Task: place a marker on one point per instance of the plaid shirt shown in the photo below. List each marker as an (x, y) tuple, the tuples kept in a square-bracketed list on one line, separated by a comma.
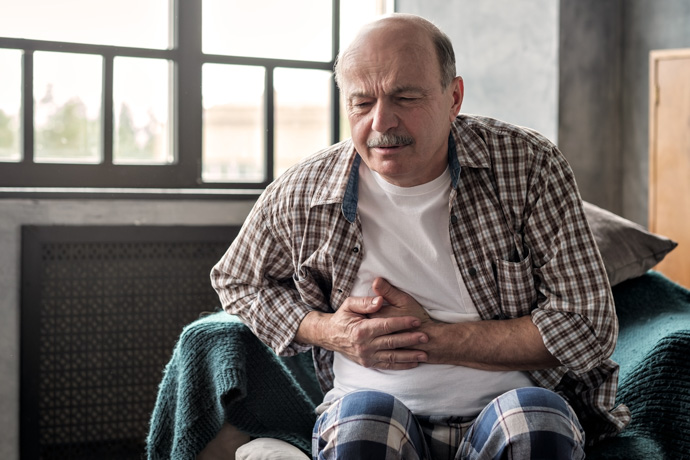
[(518, 233)]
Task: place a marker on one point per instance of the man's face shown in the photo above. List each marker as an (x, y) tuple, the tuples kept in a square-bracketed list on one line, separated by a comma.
[(399, 114)]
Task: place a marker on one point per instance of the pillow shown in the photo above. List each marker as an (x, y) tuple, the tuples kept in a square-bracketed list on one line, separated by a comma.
[(269, 449), (628, 249)]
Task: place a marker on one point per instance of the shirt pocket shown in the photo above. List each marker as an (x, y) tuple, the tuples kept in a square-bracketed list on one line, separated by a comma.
[(516, 291)]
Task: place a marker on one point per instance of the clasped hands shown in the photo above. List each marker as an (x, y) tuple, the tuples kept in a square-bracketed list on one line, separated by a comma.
[(387, 331), (393, 331)]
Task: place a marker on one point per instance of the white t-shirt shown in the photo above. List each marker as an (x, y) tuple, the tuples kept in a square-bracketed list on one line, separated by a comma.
[(407, 242)]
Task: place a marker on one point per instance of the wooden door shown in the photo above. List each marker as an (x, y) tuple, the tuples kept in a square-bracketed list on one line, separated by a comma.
[(669, 158)]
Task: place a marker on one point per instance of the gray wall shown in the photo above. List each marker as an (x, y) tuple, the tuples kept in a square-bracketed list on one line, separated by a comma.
[(576, 70), (589, 99), (507, 53), (647, 25)]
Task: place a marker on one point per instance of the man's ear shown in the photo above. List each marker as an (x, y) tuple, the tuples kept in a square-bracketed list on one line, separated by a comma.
[(457, 87)]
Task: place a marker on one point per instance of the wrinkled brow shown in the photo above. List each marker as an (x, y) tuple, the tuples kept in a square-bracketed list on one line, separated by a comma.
[(411, 89)]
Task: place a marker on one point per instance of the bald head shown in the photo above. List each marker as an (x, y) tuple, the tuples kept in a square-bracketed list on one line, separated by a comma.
[(407, 30)]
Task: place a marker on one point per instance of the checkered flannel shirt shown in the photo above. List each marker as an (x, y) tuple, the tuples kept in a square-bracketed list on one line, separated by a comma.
[(518, 233)]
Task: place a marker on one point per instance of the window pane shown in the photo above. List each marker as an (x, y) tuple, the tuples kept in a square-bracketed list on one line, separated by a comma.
[(10, 105), (355, 13), (295, 29), (138, 23), (233, 132), (303, 115), (141, 104), (67, 101)]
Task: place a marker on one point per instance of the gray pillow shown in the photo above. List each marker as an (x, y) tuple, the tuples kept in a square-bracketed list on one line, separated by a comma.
[(627, 248)]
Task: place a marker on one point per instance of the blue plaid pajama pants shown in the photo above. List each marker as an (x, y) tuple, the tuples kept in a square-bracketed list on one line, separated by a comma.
[(527, 423)]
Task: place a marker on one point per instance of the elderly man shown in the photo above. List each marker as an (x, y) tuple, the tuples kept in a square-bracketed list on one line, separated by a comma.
[(441, 268)]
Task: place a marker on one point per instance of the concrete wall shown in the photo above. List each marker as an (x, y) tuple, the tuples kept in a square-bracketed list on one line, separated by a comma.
[(576, 70), (589, 99), (507, 54), (15, 213), (647, 25)]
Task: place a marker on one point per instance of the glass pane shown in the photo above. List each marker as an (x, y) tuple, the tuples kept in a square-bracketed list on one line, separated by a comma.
[(233, 131), (67, 104), (10, 105), (355, 13), (303, 115), (138, 23), (296, 29), (141, 105)]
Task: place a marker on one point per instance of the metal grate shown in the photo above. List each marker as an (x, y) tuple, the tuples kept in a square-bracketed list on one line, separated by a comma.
[(101, 310)]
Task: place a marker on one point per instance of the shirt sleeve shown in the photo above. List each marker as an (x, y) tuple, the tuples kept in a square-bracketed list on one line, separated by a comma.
[(575, 313), (254, 280)]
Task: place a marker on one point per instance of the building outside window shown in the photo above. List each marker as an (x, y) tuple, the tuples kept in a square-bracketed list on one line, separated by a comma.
[(202, 96)]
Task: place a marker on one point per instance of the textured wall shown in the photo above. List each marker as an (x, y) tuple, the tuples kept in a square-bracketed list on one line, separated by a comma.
[(647, 25), (507, 53), (589, 98), (576, 70)]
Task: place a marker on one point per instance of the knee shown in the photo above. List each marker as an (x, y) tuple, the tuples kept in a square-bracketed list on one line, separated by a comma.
[(531, 422), (367, 402), (536, 409), (536, 397), (366, 425), (364, 407)]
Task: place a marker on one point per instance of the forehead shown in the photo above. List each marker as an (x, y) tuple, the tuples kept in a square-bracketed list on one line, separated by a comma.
[(390, 57)]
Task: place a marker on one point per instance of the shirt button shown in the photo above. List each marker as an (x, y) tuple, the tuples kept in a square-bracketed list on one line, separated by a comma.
[(472, 271), (355, 249), (453, 219)]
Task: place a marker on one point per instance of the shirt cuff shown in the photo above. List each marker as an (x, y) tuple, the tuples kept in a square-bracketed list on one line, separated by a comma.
[(570, 338)]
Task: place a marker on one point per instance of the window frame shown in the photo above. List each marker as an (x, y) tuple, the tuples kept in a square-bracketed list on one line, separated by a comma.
[(182, 178)]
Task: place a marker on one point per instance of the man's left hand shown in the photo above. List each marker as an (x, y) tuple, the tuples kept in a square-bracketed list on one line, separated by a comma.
[(398, 303)]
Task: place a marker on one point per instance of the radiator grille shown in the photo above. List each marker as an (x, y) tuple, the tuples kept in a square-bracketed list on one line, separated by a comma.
[(101, 310)]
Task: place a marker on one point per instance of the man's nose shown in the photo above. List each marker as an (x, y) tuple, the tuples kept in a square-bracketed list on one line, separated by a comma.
[(385, 117)]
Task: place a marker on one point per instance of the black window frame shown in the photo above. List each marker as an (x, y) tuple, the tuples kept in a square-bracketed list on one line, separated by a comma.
[(182, 178)]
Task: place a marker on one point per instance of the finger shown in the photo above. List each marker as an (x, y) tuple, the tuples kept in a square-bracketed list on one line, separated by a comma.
[(389, 311), (363, 305), (386, 359), (393, 342), (377, 327), (389, 292), (395, 366)]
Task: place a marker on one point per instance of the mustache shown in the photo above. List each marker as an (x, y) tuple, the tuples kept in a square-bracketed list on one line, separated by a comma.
[(389, 139)]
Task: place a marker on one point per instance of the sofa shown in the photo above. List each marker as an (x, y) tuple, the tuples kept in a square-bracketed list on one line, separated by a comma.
[(225, 395)]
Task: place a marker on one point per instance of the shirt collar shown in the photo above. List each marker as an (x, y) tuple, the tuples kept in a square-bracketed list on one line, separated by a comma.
[(465, 148)]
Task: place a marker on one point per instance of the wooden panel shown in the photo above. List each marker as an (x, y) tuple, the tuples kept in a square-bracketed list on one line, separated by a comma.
[(669, 161)]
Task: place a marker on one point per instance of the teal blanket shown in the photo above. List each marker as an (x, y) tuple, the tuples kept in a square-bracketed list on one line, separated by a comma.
[(654, 354), (217, 360)]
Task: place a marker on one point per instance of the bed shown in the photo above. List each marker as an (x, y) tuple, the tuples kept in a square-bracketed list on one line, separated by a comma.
[(223, 387)]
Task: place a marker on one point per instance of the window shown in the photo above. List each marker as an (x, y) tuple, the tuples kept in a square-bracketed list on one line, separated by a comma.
[(209, 96)]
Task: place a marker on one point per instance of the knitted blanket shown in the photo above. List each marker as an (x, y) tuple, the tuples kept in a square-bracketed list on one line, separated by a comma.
[(220, 371), (654, 354), (216, 361)]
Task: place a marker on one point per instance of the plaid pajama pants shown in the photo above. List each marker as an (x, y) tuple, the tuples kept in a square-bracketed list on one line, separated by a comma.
[(527, 423)]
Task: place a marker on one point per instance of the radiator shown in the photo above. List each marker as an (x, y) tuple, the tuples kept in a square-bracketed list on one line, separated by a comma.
[(101, 309)]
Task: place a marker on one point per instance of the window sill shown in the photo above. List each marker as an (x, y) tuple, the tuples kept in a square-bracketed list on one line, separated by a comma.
[(127, 193)]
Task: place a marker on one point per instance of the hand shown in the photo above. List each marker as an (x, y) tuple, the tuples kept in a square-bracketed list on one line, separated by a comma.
[(398, 303), (371, 342), (488, 345)]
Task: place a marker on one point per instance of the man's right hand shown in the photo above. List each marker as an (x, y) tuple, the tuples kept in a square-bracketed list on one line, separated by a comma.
[(371, 342)]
